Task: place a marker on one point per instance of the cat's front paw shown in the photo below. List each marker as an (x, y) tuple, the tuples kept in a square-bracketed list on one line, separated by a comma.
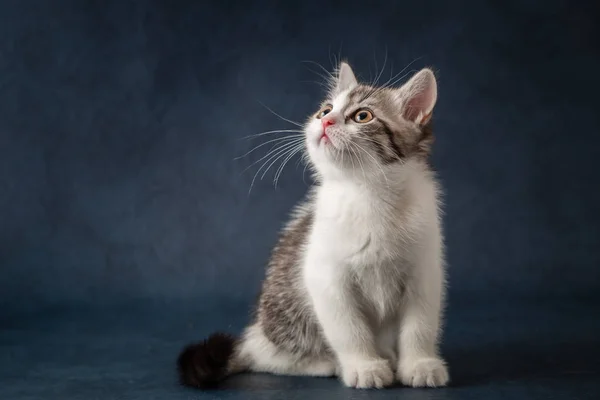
[(422, 372), (365, 374)]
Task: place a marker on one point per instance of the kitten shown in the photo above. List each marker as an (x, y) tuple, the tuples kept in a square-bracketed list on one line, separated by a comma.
[(355, 285)]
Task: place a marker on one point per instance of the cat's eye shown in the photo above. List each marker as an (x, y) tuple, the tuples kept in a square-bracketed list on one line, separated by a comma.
[(324, 111), (362, 116)]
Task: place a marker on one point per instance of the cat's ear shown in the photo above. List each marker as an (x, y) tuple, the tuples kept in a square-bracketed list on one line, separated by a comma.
[(345, 78), (417, 97)]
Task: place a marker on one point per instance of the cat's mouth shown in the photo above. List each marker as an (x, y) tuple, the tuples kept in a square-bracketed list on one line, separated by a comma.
[(325, 140)]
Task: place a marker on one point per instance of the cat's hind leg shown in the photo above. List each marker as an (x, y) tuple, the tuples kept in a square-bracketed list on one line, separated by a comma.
[(261, 355)]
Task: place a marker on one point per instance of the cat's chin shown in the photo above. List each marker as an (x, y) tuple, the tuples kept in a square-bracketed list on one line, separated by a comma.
[(329, 148), (325, 151), (324, 142), (327, 155)]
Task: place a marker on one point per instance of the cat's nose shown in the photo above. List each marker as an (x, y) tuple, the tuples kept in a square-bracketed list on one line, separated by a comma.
[(325, 122)]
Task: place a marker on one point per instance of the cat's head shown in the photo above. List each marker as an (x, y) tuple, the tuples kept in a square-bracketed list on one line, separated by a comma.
[(362, 130)]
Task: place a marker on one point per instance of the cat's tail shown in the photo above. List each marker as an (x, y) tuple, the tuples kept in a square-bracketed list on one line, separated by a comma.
[(205, 364)]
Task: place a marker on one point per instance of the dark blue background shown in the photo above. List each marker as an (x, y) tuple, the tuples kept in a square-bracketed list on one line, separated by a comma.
[(126, 223)]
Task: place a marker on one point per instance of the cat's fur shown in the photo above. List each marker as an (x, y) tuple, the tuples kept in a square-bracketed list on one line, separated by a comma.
[(355, 286)]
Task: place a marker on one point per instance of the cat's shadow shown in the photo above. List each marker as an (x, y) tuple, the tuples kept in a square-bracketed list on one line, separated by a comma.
[(524, 361), (515, 362)]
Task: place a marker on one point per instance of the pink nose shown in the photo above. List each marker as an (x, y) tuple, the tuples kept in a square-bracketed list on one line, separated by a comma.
[(325, 122)]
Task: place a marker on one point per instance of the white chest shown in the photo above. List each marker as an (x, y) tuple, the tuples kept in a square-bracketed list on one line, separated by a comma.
[(355, 227), (357, 236)]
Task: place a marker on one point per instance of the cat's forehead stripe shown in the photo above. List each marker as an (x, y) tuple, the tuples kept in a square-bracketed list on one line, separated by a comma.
[(341, 101), (350, 97)]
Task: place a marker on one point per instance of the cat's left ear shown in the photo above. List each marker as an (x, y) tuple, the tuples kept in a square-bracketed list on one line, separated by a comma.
[(345, 78), (417, 97)]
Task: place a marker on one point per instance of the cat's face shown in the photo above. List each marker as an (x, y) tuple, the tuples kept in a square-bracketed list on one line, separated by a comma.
[(361, 129)]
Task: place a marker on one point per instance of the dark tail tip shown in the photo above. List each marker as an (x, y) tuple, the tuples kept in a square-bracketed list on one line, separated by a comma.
[(204, 364)]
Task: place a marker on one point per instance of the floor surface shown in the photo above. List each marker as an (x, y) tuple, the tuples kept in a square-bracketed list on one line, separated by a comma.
[(535, 349)]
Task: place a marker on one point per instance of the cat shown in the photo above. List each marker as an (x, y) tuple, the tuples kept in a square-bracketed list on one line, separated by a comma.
[(355, 286)]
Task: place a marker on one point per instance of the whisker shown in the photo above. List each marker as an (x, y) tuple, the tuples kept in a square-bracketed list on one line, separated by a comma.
[(283, 154), (378, 73), (339, 58), (343, 154), (376, 163), (388, 187), (390, 84), (304, 159), (328, 83), (323, 85), (352, 160), (402, 77), (282, 166), (360, 163), (333, 62), (320, 66), (351, 156), (392, 81), (385, 146), (328, 78), (277, 153), (403, 69), (303, 172), (378, 76), (283, 118), (270, 132), (273, 149), (289, 137), (335, 156)]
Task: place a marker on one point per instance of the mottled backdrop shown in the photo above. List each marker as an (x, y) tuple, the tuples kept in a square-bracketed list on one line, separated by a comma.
[(121, 121), (127, 224)]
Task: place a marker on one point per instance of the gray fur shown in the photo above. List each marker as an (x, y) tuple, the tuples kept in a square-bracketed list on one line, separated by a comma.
[(283, 312)]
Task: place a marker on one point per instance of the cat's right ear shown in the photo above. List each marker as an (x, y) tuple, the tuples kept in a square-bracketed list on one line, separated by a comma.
[(345, 78)]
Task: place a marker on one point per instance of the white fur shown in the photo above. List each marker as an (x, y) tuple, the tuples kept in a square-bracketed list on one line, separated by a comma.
[(373, 266), (259, 354)]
